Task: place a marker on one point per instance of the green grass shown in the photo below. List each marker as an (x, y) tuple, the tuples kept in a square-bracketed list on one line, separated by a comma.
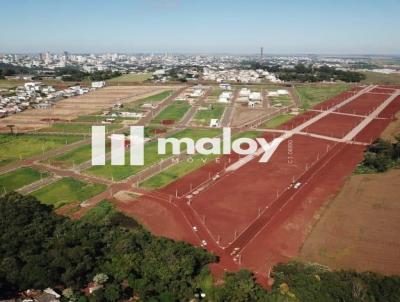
[(203, 117), (151, 156), (101, 213), (7, 84), (15, 147), (156, 98), (313, 94), (184, 167), (284, 100), (277, 121), (173, 112), (76, 128), (19, 178), (74, 157), (67, 190), (381, 78), (131, 77)]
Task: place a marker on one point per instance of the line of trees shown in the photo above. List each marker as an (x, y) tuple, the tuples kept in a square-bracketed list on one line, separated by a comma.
[(39, 249), (74, 74), (380, 156)]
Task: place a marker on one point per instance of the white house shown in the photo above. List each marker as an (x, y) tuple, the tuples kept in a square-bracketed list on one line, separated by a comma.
[(214, 123), (255, 96), (282, 92), (98, 84), (244, 92), (225, 97)]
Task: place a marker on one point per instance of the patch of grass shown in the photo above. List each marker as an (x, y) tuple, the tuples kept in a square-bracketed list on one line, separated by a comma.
[(381, 78), (19, 178), (76, 128), (313, 94), (151, 156), (173, 112), (8, 84), (15, 147), (283, 100), (131, 77), (277, 121), (101, 213), (67, 190), (156, 98), (203, 117)]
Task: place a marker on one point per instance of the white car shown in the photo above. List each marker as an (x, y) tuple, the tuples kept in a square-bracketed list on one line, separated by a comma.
[(195, 228), (203, 243), (297, 185)]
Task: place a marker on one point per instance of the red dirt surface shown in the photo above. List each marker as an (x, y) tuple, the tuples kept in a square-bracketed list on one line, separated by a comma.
[(282, 239), (390, 110), (334, 125), (159, 131), (334, 101), (382, 90), (253, 187), (298, 120), (167, 122), (364, 104), (372, 131)]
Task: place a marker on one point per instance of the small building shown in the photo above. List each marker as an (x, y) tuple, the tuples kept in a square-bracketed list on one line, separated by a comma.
[(214, 123), (98, 84)]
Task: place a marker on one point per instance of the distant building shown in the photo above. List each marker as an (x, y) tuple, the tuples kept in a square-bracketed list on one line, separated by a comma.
[(98, 84)]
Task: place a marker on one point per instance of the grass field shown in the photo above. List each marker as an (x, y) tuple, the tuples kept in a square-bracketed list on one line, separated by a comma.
[(277, 121), (283, 100), (76, 128), (185, 167), (74, 157), (131, 77), (156, 98), (67, 190), (15, 147), (203, 117), (151, 156), (19, 178), (311, 95), (381, 78), (100, 213), (173, 112), (7, 84)]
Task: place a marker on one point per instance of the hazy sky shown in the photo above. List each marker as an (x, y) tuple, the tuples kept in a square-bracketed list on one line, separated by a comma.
[(213, 26)]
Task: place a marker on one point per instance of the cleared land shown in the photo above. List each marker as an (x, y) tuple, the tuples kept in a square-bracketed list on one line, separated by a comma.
[(381, 78), (90, 103), (76, 128), (131, 77), (19, 178), (311, 95), (67, 190), (172, 113), (153, 99), (16, 147), (360, 228)]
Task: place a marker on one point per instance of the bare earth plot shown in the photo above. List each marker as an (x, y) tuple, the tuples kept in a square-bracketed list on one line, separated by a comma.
[(360, 229), (71, 108)]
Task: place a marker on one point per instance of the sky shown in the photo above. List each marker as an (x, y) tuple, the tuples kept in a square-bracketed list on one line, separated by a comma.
[(201, 26)]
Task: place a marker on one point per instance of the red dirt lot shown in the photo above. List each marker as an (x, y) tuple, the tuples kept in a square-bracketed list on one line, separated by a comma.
[(334, 125), (298, 120), (383, 90), (364, 104), (235, 200), (372, 131), (390, 110), (160, 217), (282, 239), (334, 101)]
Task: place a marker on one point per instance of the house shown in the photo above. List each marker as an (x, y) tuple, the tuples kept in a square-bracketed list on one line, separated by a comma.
[(197, 93), (98, 84), (225, 97), (282, 92), (225, 86), (244, 92), (214, 123), (255, 96)]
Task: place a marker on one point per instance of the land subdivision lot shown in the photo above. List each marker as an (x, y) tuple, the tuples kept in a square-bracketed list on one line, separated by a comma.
[(203, 116), (67, 190), (359, 229), (278, 120), (172, 114), (334, 125), (130, 78), (76, 128), (90, 103), (364, 104), (313, 94), (19, 178), (16, 147)]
